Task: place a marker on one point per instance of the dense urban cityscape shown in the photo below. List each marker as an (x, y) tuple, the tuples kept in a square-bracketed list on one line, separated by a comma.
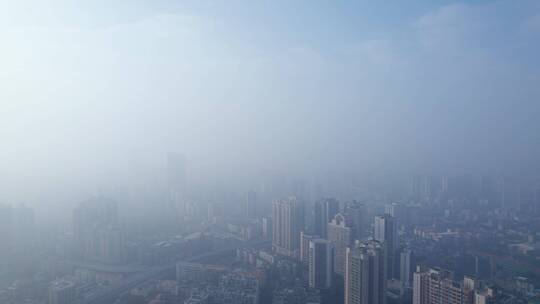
[(269, 152), (448, 239)]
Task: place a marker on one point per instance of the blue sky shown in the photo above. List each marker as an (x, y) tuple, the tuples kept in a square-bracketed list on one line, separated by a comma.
[(306, 86)]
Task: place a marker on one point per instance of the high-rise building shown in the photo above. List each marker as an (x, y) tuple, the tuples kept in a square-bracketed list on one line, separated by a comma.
[(340, 237), (365, 274), (62, 292), (445, 185), (425, 188), (397, 211), (325, 211), (251, 204), (356, 217), (386, 233), (420, 188), (406, 268), (96, 233), (288, 221), (267, 227), (435, 286), (304, 246), (110, 245), (468, 289), (320, 264), (484, 296)]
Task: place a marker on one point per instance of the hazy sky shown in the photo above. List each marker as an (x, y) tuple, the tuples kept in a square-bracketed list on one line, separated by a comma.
[(95, 91)]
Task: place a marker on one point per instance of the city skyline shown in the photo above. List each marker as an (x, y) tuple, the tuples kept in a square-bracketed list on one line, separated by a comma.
[(269, 152)]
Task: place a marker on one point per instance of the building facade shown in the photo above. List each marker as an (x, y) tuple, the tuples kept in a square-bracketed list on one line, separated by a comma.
[(386, 233), (321, 259), (365, 274), (304, 246), (435, 286), (340, 237), (288, 222), (325, 210)]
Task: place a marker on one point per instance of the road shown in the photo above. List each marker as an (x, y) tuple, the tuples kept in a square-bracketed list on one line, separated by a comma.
[(110, 294)]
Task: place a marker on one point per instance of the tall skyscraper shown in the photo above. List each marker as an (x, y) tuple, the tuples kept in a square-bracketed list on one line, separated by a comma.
[(177, 183), (435, 286), (356, 217), (468, 290), (267, 227), (288, 221), (304, 246), (406, 268), (365, 274), (325, 211), (386, 233), (397, 211), (420, 188), (320, 264), (340, 237)]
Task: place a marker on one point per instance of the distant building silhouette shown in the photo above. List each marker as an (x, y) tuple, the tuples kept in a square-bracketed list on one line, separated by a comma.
[(287, 222), (356, 217), (96, 231), (304, 246), (325, 210)]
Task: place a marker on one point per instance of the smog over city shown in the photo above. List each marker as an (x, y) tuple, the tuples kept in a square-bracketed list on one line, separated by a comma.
[(280, 152)]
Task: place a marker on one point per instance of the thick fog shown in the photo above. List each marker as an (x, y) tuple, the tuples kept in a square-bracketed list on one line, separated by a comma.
[(94, 95)]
